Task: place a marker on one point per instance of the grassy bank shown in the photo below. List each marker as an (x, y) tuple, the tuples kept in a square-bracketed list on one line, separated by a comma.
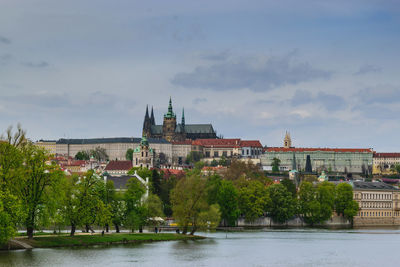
[(98, 239)]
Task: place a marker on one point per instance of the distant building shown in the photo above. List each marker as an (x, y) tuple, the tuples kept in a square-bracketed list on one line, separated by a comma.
[(118, 167), (384, 162), (343, 160), (379, 204), (49, 145), (228, 148), (173, 131), (143, 155)]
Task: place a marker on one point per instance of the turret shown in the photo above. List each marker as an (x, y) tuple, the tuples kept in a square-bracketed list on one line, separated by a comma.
[(152, 120), (183, 118), (146, 124)]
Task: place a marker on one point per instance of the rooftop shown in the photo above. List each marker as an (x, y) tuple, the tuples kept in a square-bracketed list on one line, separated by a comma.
[(386, 155), (115, 165), (135, 140), (309, 149), (373, 186)]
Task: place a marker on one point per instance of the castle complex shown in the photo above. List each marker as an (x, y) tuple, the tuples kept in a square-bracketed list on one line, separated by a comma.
[(170, 130)]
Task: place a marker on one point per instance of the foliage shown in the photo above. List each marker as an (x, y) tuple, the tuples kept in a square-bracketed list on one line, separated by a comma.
[(214, 163), (129, 154), (344, 199), (223, 161), (253, 199), (135, 216), (290, 186), (275, 164), (166, 187), (153, 206), (227, 198), (281, 205), (10, 215), (189, 200), (240, 170), (82, 155)]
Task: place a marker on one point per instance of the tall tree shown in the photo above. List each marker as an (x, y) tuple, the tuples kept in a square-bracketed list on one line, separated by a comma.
[(281, 205), (275, 164), (344, 203), (36, 176), (253, 199), (129, 154), (189, 200), (135, 212), (227, 199)]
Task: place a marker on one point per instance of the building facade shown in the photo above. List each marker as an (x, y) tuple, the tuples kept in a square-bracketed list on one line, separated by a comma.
[(343, 160), (170, 130), (379, 204), (384, 162), (143, 155)]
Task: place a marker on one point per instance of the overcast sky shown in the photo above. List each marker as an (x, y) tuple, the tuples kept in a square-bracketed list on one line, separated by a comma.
[(327, 71)]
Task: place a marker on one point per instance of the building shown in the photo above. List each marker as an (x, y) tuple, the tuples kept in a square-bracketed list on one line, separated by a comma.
[(379, 204), (118, 167), (170, 130), (384, 162), (49, 145), (342, 160), (228, 148), (143, 155)]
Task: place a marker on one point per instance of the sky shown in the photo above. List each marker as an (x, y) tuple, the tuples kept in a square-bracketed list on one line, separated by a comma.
[(326, 71)]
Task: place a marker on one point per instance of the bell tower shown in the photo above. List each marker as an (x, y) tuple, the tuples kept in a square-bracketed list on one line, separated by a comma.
[(169, 124), (287, 142)]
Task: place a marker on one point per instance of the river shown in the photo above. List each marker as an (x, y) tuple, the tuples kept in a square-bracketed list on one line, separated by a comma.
[(310, 247)]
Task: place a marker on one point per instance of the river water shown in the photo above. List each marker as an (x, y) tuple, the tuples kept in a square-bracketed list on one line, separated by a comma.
[(311, 247)]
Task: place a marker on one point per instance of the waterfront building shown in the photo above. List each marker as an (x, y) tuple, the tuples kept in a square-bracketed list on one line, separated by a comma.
[(384, 162), (379, 204), (170, 130)]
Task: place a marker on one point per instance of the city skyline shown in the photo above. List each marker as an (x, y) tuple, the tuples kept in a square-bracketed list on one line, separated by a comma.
[(325, 72)]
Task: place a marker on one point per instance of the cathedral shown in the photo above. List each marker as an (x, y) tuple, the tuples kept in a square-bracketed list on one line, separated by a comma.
[(173, 131)]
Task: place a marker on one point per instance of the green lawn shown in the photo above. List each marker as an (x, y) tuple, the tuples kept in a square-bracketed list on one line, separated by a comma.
[(98, 239)]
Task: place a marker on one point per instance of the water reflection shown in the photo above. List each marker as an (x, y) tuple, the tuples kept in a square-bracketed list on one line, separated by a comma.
[(299, 247)]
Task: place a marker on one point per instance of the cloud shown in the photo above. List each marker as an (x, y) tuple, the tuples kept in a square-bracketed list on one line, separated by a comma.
[(329, 101), (367, 69), (40, 64), (382, 94), (4, 40), (199, 100), (4, 59), (215, 56), (250, 72)]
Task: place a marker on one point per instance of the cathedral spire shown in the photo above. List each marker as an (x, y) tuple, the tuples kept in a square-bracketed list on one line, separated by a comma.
[(152, 120), (183, 117), (146, 117)]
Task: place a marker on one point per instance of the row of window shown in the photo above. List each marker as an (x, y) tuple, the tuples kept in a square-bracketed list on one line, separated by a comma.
[(375, 213), (376, 204), (376, 196)]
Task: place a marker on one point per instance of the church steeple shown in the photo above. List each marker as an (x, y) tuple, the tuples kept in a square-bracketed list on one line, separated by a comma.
[(146, 123), (183, 117), (287, 142), (170, 113), (146, 117), (152, 120)]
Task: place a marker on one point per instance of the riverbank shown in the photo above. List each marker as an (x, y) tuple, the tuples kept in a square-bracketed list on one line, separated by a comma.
[(51, 241)]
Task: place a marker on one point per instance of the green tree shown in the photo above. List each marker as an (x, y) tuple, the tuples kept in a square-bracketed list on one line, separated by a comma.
[(290, 186), (82, 155), (227, 199), (253, 199), (135, 211), (275, 164), (10, 216), (166, 187), (214, 163), (35, 178), (156, 182), (189, 200), (344, 203), (129, 154), (223, 161), (281, 205)]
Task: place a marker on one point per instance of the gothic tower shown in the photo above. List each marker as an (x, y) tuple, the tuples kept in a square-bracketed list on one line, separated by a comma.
[(152, 120), (169, 124), (147, 124), (287, 142)]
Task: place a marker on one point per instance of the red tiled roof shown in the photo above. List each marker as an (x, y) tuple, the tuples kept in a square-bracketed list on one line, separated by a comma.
[(217, 142), (386, 155), (305, 149), (250, 143), (186, 142), (119, 165)]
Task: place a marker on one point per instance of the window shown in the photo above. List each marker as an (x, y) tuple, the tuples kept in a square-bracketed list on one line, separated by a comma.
[(225, 153), (215, 153), (207, 154)]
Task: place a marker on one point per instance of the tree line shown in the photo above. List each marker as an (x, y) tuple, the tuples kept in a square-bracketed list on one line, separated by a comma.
[(36, 194)]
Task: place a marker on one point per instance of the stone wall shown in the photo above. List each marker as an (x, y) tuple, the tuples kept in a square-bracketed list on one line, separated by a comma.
[(335, 221), (376, 221)]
